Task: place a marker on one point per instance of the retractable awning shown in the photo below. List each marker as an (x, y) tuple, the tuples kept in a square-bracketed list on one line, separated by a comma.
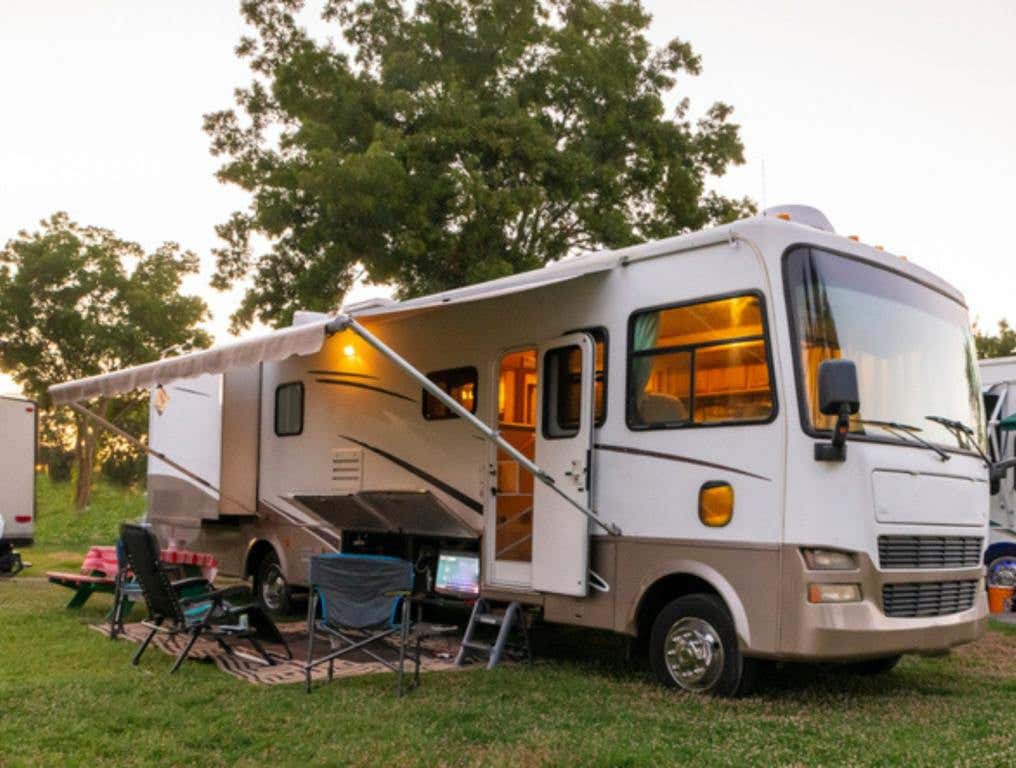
[(308, 337), (303, 339)]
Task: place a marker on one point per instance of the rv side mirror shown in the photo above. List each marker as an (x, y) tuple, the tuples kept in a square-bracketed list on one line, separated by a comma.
[(837, 396)]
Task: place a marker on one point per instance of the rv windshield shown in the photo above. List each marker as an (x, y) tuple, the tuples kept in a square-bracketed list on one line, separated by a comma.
[(912, 345)]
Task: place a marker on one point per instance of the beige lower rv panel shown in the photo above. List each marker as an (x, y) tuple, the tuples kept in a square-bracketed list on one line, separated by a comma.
[(747, 576)]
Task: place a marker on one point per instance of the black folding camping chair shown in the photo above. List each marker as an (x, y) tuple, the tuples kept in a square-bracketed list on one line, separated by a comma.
[(364, 600), (193, 606)]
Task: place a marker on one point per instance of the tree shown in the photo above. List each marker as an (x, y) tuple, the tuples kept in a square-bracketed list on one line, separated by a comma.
[(995, 346), (78, 301), (455, 141)]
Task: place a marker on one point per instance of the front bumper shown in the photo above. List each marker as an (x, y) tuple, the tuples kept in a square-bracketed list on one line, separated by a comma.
[(857, 631)]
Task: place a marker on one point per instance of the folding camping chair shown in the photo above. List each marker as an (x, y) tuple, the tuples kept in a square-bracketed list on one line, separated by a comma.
[(364, 600), (193, 606)]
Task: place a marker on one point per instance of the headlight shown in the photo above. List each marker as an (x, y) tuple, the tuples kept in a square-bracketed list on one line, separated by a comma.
[(829, 560), (834, 593)]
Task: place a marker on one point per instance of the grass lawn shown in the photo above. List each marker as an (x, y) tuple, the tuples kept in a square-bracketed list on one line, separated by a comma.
[(68, 696)]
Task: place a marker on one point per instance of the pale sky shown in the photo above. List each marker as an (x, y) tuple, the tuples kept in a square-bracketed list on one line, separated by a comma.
[(897, 119)]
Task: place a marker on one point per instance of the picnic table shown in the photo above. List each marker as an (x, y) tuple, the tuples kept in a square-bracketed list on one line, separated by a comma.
[(99, 569)]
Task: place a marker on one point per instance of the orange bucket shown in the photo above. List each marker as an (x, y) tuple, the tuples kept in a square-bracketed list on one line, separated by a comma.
[(1000, 599)]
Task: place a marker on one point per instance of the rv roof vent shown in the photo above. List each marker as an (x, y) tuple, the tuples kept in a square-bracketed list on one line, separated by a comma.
[(801, 214), (360, 306), (303, 317)]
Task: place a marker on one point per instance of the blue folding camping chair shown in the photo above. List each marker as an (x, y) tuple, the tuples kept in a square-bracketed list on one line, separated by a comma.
[(364, 600)]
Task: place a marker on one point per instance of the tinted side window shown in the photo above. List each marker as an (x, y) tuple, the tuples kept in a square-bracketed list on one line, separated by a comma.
[(289, 409), (460, 383)]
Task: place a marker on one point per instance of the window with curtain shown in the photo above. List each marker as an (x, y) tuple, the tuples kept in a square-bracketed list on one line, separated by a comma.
[(703, 363)]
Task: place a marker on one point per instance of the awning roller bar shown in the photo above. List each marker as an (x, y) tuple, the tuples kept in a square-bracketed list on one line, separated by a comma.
[(345, 322)]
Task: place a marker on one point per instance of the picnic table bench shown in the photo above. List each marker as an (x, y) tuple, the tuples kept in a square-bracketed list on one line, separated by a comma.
[(99, 570)]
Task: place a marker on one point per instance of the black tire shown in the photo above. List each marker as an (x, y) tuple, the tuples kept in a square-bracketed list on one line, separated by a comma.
[(270, 587), (874, 666), (701, 625)]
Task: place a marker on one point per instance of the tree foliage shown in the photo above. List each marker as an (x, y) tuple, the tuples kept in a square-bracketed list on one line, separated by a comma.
[(78, 301), (444, 142), (1000, 345)]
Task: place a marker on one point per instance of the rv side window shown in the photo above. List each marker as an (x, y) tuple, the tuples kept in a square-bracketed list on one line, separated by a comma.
[(460, 383), (289, 409), (562, 392), (704, 363)]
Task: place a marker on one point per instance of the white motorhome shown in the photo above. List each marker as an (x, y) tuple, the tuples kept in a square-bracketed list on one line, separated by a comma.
[(18, 426), (663, 441), (998, 377)]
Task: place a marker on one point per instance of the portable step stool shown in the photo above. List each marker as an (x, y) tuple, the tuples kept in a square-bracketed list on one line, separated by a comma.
[(483, 614)]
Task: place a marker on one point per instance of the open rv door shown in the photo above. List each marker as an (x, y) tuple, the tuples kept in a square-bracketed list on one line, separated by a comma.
[(564, 441)]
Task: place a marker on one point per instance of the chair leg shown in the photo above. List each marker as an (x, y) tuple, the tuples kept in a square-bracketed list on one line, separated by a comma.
[(186, 650), (419, 653), (141, 649), (261, 649), (311, 610), (403, 639), (224, 645)]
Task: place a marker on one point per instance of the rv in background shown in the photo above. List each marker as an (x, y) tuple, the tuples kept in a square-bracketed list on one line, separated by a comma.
[(998, 377), (18, 428), (730, 431)]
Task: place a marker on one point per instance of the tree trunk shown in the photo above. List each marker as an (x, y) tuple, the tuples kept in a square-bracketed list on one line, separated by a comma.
[(85, 450)]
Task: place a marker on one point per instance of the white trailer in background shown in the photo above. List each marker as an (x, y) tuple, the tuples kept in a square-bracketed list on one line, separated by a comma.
[(18, 430), (998, 377), (648, 441)]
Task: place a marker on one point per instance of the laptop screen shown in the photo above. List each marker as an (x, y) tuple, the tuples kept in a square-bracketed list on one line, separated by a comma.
[(458, 573)]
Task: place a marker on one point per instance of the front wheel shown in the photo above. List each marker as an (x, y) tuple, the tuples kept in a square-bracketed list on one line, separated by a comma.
[(270, 585), (693, 646)]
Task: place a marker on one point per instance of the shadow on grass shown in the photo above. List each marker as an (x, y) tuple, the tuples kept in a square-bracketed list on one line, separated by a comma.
[(615, 658)]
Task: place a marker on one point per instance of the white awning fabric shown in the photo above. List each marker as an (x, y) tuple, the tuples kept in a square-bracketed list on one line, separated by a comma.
[(309, 336), (278, 345)]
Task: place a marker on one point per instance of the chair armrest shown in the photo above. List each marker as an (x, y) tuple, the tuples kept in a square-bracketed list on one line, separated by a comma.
[(217, 596)]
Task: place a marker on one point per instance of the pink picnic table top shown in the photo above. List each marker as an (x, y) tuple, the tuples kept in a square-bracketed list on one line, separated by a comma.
[(103, 558)]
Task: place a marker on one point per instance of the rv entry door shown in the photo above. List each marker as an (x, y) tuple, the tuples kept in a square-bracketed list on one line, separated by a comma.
[(564, 441)]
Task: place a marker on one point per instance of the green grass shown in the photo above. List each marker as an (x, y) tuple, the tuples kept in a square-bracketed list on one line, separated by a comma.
[(68, 696), (58, 524)]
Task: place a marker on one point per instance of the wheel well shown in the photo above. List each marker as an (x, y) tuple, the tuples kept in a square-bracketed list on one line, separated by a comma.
[(256, 552), (666, 589), (998, 550)]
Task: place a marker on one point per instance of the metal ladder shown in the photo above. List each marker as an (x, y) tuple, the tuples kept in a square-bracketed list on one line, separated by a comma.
[(511, 618)]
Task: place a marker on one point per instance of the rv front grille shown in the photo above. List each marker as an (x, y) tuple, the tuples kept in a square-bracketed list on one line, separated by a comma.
[(929, 551), (929, 598)]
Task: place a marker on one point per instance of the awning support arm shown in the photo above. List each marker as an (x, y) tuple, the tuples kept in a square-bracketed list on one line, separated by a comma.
[(140, 445), (345, 322)]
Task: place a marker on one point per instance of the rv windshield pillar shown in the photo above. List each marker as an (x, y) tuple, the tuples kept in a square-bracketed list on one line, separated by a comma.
[(345, 322)]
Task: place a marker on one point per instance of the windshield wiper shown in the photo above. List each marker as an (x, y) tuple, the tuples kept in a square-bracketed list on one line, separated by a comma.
[(895, 428), (959, 428)]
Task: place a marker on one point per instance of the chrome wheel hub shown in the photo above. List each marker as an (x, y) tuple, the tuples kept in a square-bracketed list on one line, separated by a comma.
[(1002, 572), (274, 588), (694, 654)]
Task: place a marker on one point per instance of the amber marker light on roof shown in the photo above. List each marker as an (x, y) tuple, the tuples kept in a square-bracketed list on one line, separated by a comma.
[(784, 216), (855, 238)]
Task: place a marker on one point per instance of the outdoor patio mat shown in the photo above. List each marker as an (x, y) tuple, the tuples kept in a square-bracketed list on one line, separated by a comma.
[(438, 655)]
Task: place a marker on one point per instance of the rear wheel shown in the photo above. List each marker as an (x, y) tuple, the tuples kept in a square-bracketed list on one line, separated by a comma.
[(693, 646), (270, 584)]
